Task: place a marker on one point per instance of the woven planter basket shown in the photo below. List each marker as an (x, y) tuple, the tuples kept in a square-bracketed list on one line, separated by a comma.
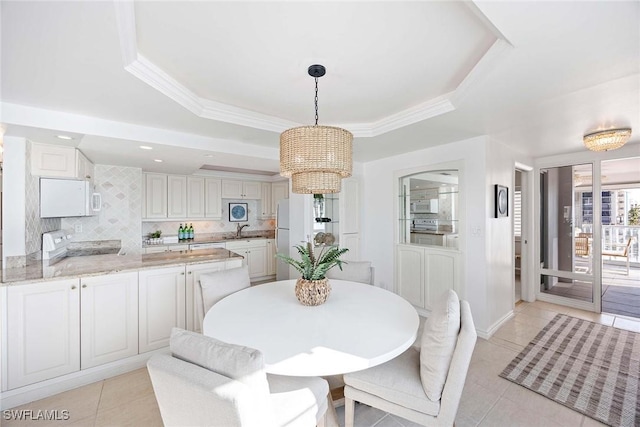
[(312, 292)]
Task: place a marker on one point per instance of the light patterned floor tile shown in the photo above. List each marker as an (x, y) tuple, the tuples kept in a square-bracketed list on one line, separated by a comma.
[(81, 404), (140, 412), (629, 325), (506, 413), (125, 388)]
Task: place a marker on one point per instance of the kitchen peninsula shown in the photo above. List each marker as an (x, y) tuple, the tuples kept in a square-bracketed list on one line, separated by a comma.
[(85, 318)]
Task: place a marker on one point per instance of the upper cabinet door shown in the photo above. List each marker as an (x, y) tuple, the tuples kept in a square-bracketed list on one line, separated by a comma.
[(155, 188), (177, 196), (279, 191), (251, 190), (195, 197), (53, 161), (231, 189), (266, 207), (85, 169), (212, 199)]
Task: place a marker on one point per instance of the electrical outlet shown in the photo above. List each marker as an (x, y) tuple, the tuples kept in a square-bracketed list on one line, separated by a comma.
[(78, 228)]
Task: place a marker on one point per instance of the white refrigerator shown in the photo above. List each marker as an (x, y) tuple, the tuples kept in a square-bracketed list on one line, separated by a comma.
[(283, 245)]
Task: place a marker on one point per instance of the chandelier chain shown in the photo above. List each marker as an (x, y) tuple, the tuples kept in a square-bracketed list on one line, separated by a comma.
[(316, 101)]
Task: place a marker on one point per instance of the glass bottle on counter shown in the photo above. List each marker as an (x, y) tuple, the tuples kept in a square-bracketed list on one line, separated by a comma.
[(191, 233), (180, 233)]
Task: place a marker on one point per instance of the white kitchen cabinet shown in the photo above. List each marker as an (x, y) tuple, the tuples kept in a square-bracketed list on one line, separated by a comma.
[(266, 206), (109, 318), (271, 257), (212, 198), (85, 169), (272, 193), (234, 189), (57, 161), (43, 331), (176, 196), (161, 306), (194, 310), (155, 195), (254, 253), (195, 197), (279, 191), (423, 274), (410, 274)]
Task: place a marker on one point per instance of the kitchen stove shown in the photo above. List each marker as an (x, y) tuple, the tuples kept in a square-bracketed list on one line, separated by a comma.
[(55, 243), (422, 224)]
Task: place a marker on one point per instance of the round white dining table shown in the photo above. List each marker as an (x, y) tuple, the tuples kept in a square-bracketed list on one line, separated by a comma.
[(359, 326)]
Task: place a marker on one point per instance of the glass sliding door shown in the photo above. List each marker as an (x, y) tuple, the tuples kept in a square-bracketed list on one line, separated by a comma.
[(566, 236)]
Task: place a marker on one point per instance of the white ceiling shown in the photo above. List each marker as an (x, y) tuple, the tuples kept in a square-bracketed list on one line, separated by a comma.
[(224, 78)]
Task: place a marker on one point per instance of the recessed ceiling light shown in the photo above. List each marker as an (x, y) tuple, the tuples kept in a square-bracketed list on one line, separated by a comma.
[(157, 160), (146, 147), (64, 137), (209, 155)]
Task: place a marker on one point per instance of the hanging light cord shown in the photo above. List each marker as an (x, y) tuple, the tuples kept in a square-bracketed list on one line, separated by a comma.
[(316, 101)]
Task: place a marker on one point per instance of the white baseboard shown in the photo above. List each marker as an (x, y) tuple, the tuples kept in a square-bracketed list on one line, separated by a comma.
[(42, 389), (492, 330)]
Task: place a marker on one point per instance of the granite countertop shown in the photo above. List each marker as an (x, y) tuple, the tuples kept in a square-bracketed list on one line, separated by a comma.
[(217, 238), (81, 266)]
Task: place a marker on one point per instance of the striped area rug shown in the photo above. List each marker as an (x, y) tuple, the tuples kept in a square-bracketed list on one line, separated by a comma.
[(590, 368)]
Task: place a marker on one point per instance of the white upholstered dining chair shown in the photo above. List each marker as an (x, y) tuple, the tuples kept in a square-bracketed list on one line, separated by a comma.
[(425, 385), (205, 381), (218, 284), (354, 271)]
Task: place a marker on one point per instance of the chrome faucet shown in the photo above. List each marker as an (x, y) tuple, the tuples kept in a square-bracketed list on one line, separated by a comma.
[(239, 229)]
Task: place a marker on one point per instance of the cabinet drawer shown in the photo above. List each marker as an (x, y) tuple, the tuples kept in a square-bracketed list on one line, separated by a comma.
[(244, 244)]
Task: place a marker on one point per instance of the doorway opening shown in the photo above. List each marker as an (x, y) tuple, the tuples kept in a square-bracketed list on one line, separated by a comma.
[(517, 236), (620, 235)]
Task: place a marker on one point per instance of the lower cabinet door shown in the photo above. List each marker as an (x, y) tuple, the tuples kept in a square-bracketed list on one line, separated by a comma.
[(257, 261), (109, 318), (161, 305), (194, 307), (410, 274), (43, 331)]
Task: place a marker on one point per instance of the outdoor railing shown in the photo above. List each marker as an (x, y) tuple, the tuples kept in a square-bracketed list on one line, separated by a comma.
[(614, 237)]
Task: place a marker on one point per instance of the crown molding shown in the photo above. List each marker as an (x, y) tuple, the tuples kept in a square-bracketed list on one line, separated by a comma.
[(146, 71), (496, 53), (126, 22)]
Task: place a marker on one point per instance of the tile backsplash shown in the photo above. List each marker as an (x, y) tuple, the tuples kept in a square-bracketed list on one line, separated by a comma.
[(121, 189)]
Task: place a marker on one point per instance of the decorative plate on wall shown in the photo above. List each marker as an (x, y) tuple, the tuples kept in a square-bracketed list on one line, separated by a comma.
[(502, 201), (238, 212)]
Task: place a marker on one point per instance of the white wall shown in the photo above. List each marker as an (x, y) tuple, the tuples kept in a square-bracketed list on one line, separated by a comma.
[(486, 243), (13, 198)]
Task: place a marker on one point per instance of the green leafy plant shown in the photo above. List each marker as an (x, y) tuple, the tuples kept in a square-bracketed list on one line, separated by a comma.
[(314, 267), (155, 235), (634, 215)]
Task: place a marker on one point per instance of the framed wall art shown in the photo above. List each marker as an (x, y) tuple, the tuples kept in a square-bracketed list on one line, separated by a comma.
[(502, 201), (238, 212)]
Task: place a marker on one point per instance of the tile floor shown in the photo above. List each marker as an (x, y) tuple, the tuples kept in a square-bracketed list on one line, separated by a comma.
[(487, 400)]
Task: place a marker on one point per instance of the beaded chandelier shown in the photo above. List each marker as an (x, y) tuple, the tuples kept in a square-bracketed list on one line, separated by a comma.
[(607, 139)]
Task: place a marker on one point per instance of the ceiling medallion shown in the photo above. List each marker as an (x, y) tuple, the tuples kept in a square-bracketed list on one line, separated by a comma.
[(316, 158), (607, 139)]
